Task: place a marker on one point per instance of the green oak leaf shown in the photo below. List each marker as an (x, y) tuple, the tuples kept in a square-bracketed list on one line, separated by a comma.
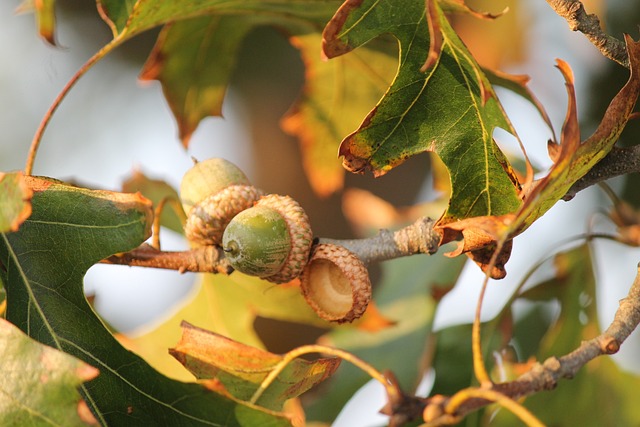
[(42, 267), (601, 383), (38, 383), (127, 18), (450, 108)]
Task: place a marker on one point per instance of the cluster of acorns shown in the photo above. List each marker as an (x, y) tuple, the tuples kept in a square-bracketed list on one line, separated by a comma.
[(269, 236)]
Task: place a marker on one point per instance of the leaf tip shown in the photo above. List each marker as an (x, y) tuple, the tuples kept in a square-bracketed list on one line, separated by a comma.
[(332, 45)]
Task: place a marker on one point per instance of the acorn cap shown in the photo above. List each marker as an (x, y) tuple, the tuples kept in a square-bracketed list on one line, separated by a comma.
[(209, 217), (206, 178), (336, 284), (300, 235)]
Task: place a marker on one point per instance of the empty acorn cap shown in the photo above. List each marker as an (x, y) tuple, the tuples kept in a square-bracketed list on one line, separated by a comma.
[(336, 284)]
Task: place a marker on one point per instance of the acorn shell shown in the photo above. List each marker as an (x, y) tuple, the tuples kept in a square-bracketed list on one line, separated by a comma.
[(336, 284), (256, 242), (255, 245), (300, 235)]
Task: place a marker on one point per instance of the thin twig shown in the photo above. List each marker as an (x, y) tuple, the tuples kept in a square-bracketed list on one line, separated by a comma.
[(620, 161), (37, 138), (417, 238), (546, 375), (589, 25)]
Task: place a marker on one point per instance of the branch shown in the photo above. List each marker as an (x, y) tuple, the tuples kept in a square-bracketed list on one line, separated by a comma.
[(206, 259), (416, 238), (619, 161), (546, 376), (588, 24)]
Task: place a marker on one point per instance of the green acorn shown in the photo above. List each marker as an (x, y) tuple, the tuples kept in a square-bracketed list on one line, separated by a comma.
[(270, 240)]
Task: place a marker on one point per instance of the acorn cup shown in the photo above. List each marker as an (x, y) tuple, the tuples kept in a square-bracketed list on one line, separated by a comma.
[(271, 240), (336, 284), (212, 192)]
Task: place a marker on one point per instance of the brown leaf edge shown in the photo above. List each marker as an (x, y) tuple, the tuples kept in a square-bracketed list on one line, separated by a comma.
[(21, 186)]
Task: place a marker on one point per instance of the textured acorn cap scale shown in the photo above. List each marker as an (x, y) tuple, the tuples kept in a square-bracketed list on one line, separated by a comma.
[(336, 284), (209, 218)]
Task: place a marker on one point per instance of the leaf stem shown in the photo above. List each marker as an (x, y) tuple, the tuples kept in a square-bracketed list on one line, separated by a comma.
[(177, 208), (479, 366), (588, 24), (479, 393), (37, 138), (392, 392)]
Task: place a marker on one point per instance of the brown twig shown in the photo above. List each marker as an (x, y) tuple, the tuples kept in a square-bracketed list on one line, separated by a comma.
[(206, 259), (546, 375), (589, 25), (416, 238), (619, 161)]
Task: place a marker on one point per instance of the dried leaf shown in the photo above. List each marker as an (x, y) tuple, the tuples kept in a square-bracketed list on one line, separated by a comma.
[(574, 159), (336, 95), (240, 369), (204, 49), (45, 17)]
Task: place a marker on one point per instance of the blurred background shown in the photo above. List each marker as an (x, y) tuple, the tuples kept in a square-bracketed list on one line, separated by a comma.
[(111, 125)]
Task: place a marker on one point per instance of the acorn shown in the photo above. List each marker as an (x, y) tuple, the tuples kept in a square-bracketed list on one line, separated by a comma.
[(212, 192), (336, 284), (271, 240)]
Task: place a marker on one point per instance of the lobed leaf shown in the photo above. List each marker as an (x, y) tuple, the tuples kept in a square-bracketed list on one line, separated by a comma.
[(39, 383), (450, 109), (241, 369), (42, 266)]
